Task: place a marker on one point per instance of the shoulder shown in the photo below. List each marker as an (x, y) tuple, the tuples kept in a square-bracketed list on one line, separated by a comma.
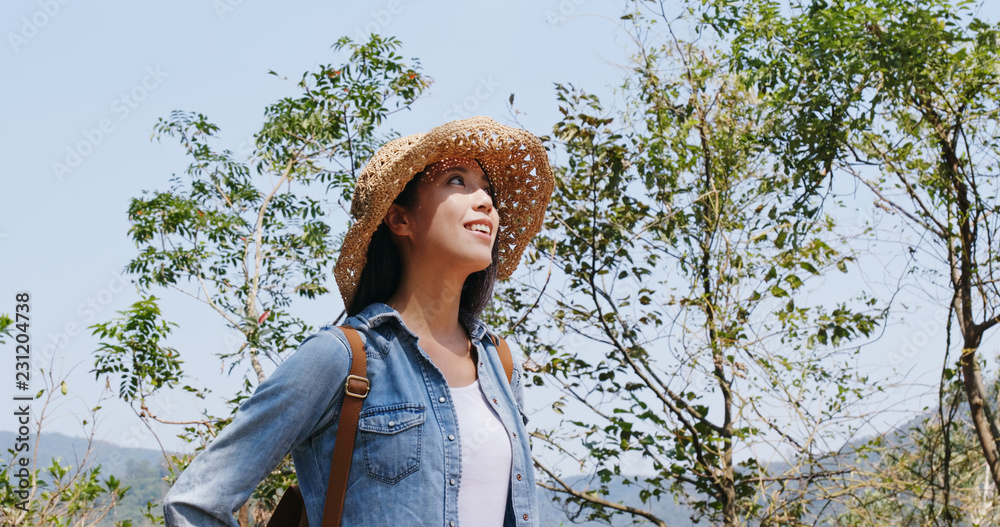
[(320, 357), (325, 345), (305, 386)]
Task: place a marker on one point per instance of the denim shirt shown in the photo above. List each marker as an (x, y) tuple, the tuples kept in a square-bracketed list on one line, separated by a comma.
[(406, 466)]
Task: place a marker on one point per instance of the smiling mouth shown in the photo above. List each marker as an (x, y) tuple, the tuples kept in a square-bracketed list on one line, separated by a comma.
[(479, 227)]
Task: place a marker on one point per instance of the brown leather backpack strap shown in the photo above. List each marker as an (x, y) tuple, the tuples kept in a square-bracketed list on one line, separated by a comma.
[(356, 389), (503, 350)]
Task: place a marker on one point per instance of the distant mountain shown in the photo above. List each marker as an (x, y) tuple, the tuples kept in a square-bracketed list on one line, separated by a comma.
[(70, 450), (551, 514), (142, 469), (139, 468)]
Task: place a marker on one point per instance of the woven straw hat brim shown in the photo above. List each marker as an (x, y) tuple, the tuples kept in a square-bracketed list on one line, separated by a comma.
[(514, 160)]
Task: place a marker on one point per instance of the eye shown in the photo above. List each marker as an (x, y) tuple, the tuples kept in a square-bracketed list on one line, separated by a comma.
[(460, 179)]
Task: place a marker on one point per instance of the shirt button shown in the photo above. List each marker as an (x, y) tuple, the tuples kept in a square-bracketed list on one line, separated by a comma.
[(495, 401), (519, 477), (452, 481), (515, 433), (392, 424), (525, 517), (451, 437), (451, 523), (441, 399)]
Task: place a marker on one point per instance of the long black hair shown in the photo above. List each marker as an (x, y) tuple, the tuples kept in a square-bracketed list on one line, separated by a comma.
[(384, 267)]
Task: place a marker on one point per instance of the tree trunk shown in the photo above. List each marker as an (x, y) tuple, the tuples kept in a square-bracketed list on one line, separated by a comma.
[(963, 273), (986, 429)]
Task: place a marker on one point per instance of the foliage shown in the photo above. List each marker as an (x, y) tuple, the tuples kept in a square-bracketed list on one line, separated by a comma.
[(66, 495), (63, 493), (684, 254), (902, 97), (5, 323), (927, 472), (139, 361)]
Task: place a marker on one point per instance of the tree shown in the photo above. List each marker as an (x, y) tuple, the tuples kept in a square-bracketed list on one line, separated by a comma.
[(5, 323), (929, 471), (682, 254), (247, 236), (902, 97), (66, 491)]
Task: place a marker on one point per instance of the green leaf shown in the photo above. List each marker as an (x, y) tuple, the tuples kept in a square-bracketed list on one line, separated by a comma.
[(779, 241)]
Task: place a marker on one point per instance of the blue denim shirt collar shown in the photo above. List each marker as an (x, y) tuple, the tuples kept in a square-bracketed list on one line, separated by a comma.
[(379, 313)]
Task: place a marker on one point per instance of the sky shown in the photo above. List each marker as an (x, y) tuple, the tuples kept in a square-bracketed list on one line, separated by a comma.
[(86, 82)]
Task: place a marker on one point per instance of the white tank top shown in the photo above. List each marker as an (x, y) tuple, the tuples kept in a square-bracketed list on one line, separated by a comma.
[(486, 458)]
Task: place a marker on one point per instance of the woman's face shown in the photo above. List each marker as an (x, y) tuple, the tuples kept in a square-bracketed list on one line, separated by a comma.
[(453, 221)]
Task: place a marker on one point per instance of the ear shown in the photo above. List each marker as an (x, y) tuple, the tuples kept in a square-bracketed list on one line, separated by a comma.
[(398, 221)]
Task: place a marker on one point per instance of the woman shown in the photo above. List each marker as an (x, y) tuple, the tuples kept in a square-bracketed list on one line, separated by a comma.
[(441, 438)]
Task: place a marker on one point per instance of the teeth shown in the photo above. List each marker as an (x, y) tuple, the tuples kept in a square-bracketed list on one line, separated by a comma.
[(479, 227)]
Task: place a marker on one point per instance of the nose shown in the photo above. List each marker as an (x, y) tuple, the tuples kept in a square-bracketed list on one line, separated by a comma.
[(481, 200)]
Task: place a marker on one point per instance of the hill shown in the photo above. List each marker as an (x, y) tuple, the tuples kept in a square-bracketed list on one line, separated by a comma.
[(142, 470), (139, 468)]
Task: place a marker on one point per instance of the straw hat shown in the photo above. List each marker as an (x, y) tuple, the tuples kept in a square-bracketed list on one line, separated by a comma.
[(514, 160)]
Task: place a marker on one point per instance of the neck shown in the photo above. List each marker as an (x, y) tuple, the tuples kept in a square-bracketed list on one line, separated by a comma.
[(429, 303)]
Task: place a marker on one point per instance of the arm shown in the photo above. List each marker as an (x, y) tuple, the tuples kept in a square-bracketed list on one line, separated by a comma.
[(289, 406)]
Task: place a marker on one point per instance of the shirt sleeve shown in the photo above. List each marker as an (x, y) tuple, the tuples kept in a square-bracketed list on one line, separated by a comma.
[(297, 400)]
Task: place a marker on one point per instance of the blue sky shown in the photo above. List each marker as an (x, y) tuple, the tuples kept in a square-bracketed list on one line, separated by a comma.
[(99, 75), (86, 82)]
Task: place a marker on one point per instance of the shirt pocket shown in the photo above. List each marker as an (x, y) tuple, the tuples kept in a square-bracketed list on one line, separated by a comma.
[(391, 437)]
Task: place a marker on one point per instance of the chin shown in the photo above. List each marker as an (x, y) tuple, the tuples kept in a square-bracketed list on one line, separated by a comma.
[(464, 260), (478, 263)]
